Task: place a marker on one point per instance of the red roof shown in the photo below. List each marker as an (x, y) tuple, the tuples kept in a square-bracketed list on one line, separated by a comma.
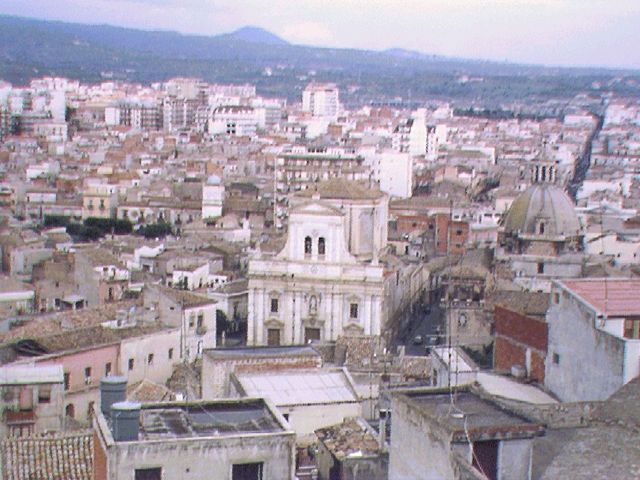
[(614, 297)]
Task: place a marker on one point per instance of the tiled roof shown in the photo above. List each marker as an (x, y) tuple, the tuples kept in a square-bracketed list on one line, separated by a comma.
[(185, 298), (341, 188), (95, 315), (65, 320), (348, 438), (525, 303), (99, 257), (613, 297), (78, 339), (50, 457), (96, 335), (147, 391), (8, 284)]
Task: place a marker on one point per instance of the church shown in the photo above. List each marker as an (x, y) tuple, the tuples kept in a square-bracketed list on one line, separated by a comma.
[(541, 238), (327, 281)]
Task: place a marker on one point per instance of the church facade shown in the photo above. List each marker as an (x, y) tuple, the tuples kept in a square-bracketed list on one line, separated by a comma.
[(316, 288)]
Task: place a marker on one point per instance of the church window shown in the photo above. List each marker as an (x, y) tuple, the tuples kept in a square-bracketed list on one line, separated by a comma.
[(274, 305), (321, 246), (353, 310), (542, 228), (307, 245), (540, 268)]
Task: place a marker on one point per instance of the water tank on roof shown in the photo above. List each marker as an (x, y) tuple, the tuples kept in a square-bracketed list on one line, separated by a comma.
[(125, 421), (112, 390)]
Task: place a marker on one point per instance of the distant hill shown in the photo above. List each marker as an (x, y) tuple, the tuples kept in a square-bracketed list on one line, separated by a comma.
[(33, 48), (257, 35)]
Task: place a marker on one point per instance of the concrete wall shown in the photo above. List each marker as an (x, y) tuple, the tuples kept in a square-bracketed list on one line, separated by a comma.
[(306, 419), (205, 458), (514, 459), (139, 349), (583, 363), (417, 450)]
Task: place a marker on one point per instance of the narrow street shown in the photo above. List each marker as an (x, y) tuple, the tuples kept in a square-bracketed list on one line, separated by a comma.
[(423, 329)]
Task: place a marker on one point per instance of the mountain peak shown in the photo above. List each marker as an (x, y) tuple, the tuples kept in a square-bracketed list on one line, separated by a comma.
[(257, 35)]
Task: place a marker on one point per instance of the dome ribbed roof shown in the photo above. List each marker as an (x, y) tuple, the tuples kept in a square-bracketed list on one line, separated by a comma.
[(543, 204)]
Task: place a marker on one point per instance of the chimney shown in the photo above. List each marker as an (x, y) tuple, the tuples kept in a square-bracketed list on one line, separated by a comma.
[(112, 390), (125, 421)]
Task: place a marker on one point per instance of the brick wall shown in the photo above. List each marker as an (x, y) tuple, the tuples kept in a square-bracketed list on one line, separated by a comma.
[(509, 353), (459, 235), (409, 223), (276, 364), (522, 329), (99, 458)]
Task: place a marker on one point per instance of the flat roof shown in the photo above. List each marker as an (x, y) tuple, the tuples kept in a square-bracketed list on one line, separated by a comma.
[(300, 387), (468, 416), (505, 387), (220, 418)]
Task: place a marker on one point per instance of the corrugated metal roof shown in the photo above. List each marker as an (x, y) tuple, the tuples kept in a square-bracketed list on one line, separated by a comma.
[(612, 297), (300, 388)]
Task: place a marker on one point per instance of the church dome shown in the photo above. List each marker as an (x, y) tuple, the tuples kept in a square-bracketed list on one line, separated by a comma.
[(543, 210), (214, 180)]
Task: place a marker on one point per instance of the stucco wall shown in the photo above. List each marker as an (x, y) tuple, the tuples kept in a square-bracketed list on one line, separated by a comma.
[(514, 459), (205, 458), (306, 419), (583, 363), (139, 348), (417, 450)]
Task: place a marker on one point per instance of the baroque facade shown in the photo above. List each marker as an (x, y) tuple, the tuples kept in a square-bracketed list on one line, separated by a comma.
[(325, 282)]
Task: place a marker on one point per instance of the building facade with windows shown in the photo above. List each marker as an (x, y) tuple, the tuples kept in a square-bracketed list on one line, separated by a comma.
[(31, 399), (322, 100), (316, 288)]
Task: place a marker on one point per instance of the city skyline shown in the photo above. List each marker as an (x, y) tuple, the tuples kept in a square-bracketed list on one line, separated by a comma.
[(545, 32)]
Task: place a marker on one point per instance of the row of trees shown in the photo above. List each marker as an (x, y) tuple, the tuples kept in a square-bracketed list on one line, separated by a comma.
[(93, 228)]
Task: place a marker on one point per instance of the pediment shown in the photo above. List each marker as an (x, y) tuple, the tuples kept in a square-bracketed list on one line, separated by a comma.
[(353, 329), (316, 208), (273, 323)]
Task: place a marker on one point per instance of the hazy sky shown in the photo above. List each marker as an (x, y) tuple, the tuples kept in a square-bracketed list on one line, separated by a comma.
[(550, 32)]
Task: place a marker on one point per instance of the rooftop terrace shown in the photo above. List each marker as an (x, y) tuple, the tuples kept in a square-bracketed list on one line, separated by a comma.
[(206, 420)]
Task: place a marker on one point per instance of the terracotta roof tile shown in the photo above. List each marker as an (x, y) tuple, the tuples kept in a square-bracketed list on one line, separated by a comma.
[(347, 438), (610, 296), (48, 457)]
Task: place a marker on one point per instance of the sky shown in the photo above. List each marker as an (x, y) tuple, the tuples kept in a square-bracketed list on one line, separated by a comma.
[(548, 32)]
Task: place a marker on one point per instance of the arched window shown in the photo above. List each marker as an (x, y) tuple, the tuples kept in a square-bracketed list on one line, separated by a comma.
[(321, 246), (307, 245)]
